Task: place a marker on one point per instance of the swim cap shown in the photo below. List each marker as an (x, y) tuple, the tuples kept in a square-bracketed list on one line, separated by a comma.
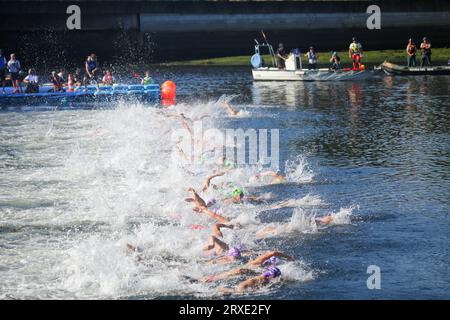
[(271, 261), (237, 192), (234, 252), (227, 163), (272, 272)]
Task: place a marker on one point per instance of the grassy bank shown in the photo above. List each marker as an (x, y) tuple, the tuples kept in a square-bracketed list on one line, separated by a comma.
[(439, 56)]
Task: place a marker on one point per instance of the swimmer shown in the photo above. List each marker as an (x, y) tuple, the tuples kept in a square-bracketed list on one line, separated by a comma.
[(287, 228), (215, 243), (237, 196), (230, 109), (265, 278), (202, 207), (235, 254), (226, 163), (208, 179), (277, 177)]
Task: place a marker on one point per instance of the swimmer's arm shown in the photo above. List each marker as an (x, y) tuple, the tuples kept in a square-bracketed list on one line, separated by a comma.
[(243, 286), (216, 216), (230, 109), (325, 220), (267, 173), (199, 202), (254, 198), (259, 260), (181, 152), (223, 275), (268, 230), (184, 123), (209, 178), (250, 284), (216, 229)]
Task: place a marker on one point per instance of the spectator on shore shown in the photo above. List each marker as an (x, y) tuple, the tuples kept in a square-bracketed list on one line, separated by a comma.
[(411, 53)]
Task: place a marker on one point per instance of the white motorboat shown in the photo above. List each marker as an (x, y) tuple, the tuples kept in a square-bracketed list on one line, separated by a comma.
[(294, 71)]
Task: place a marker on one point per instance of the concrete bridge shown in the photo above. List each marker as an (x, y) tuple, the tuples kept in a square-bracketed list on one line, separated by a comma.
[(184, 29)]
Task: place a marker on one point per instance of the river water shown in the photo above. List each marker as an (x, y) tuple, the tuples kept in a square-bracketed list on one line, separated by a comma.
[(78, 184)]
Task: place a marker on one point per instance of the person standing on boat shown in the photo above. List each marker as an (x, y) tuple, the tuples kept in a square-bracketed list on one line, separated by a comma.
[(355, 53), (312, 58), (281, 55), (14, 69), (91, 68), (32, 82), (3, 64), (335, 61), (425, 46), (411, 53)]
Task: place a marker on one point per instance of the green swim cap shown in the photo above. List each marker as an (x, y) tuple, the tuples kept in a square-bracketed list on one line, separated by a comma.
[(237, 192), (227, 163)]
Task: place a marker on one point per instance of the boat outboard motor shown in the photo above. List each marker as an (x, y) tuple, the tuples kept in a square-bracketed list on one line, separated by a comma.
[(256, 61)]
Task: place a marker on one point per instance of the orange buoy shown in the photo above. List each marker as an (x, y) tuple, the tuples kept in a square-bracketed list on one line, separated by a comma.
[(168, 102), (168, 90)]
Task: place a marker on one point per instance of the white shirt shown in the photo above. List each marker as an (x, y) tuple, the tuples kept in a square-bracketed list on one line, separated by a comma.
[(32, 78), (14, 66)]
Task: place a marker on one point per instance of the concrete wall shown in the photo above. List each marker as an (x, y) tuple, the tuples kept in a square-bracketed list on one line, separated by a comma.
[(186, 29)]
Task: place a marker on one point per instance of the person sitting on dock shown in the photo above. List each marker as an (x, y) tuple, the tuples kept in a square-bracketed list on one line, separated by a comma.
[(425, 46), (32, 82), (57, 82), (355, 53), (312, 58), (335, 61), (14, 69), (282, 56), (78, 77), (147, 79), (62, 74), (91, 68), (108, 78), (411, 53), (3, 64)]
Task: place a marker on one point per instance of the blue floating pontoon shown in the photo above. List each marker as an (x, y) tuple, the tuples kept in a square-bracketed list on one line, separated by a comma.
[(143, 93)]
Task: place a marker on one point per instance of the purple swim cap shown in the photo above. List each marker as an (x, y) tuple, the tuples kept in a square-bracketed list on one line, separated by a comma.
[(272, 272), (271, 261), (234, 252)]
